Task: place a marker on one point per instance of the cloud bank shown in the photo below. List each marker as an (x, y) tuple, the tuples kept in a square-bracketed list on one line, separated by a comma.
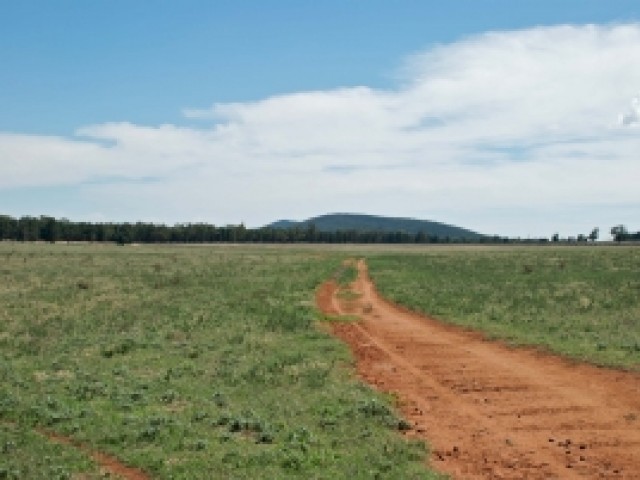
[(505, 132)]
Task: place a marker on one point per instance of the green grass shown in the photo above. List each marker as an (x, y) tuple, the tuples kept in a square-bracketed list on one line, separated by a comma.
[(347, 273), (580, 302), (28, 454), (188, 362)]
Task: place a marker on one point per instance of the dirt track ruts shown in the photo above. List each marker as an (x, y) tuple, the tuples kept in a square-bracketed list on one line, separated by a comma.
[(109, 464), (487, 410)]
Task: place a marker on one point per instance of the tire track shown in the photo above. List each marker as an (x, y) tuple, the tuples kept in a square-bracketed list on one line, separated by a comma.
[(107, 462), (487, 410)]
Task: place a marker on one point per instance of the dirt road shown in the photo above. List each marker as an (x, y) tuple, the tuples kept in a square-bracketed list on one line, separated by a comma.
[(490, 411)]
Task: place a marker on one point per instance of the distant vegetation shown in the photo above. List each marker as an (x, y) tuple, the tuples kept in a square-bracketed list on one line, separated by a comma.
[(334, 228), (621, 234), (330, 229)]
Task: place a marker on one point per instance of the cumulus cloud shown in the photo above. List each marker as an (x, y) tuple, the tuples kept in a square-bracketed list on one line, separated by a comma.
[(521, 119)]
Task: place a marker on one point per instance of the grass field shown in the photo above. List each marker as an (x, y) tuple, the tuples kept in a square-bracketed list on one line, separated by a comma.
[(188, 362), (208, 362), (580, 302)]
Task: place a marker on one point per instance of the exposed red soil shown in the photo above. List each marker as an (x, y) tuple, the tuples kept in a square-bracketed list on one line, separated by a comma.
[(487, 410), (108, 463)]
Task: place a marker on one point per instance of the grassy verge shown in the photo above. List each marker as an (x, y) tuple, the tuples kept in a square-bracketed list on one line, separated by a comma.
[(27, 454), (189, 363), (580, 302)]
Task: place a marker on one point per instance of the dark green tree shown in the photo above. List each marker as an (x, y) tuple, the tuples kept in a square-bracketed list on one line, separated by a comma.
[(49, 229), (619, 232)]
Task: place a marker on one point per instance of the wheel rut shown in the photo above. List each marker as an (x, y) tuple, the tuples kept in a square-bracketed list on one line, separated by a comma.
[(110, 464), (487, 410)]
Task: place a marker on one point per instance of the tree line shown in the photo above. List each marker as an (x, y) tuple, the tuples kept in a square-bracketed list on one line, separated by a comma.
[(50, 229)]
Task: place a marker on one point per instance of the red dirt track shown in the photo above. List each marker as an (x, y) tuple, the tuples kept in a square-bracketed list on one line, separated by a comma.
[(109, 464), (489, 411)]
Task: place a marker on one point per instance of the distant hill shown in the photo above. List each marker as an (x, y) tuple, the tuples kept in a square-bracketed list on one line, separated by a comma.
[(372, 223)]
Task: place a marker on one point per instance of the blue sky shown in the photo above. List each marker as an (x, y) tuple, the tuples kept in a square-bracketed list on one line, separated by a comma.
[(236, 111)]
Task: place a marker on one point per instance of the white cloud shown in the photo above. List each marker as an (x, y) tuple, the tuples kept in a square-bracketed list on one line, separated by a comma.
[(518, 120), (632, 117)]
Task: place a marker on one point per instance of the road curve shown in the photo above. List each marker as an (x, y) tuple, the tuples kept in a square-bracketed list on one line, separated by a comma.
[(489, 411)]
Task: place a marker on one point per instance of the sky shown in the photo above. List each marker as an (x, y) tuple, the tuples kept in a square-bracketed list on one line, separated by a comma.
[(519, 119)]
